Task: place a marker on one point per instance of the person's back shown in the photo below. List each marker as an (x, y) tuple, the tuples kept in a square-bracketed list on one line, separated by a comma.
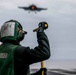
[(7, 59), (21, 57)]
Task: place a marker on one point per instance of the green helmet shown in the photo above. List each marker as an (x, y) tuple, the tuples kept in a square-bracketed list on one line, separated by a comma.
[(12, 30)]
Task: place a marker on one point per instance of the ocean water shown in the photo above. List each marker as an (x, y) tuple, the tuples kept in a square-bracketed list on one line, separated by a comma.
[(56, 64)]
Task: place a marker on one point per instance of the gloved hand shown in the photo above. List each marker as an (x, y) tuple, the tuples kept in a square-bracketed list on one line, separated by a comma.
[(42, 26), (43, 69), (40, 72)]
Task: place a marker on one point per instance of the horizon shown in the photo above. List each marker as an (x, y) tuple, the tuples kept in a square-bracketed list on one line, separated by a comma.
[(56, 64)]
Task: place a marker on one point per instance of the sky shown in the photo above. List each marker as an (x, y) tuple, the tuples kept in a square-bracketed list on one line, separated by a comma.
[(60, 16)]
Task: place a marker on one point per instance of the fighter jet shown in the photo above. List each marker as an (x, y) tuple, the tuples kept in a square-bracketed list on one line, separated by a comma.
[(33, 8)]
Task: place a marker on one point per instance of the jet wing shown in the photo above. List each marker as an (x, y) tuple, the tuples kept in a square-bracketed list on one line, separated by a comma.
[(25, 8), (39, 9)]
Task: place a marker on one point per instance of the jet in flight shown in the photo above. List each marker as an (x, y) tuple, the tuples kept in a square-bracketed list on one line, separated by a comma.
[(33, 8)]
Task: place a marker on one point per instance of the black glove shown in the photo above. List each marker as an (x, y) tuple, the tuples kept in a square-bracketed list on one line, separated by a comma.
[(40, 72), (42, 26), (43, 69)]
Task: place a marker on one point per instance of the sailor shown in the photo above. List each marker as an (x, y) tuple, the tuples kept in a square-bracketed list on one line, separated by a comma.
[(16, 59)]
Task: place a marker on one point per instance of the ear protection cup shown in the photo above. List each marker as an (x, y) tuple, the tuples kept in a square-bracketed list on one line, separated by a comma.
[(21, 35)]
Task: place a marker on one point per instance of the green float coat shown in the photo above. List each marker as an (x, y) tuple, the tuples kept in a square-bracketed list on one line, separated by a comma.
[(7, 59)]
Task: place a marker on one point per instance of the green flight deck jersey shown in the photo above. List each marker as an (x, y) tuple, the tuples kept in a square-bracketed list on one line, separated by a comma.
[(7, 59)]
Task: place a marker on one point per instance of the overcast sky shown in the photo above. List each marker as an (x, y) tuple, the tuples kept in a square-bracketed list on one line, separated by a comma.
[(61, 17)]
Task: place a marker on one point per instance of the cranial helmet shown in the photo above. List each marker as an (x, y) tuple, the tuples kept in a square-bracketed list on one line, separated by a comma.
[(12, 30)]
